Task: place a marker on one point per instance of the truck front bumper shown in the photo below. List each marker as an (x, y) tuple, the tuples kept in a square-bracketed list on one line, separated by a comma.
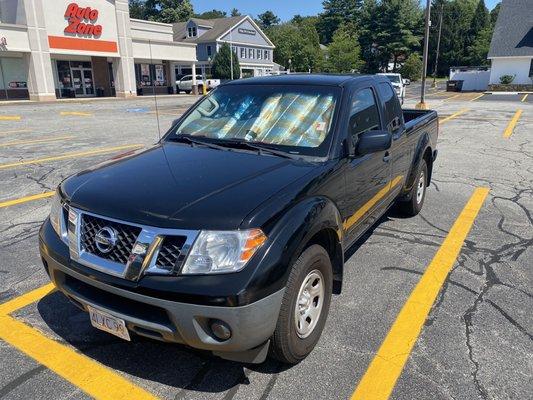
[(251, 325)]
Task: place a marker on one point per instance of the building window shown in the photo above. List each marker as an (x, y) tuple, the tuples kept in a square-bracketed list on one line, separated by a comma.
[(234, 48), (259, 54), (267, 55), (192, 31), (243, 52), (531, 69), (250, 53), (209, 51)]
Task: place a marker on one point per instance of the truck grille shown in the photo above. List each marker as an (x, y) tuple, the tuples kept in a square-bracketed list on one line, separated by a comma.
[(126, 237), (169, 252)]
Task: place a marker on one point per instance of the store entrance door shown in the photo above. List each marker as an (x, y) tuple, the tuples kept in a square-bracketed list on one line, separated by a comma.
[(82, 79)]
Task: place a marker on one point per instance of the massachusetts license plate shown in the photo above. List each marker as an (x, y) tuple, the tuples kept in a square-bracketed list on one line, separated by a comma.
[(108, 323)]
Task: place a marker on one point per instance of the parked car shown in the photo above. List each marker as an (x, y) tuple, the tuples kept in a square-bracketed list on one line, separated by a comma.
[(398, 83), (229, 234), (185, 84)]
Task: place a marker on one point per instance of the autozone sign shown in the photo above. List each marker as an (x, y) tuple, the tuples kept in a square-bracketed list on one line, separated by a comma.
[(82, 21)]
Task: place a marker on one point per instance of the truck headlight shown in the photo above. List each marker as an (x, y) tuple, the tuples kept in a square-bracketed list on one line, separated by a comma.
[(55, 214), (222, 251)]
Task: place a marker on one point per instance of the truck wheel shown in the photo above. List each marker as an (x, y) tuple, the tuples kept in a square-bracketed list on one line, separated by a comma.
[(305, 306), (412, 207)]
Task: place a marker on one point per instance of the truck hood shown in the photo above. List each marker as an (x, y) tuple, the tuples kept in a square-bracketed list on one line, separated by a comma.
[(174, 185)]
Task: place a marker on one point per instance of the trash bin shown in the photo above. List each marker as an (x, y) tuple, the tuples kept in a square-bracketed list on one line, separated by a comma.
[(454, 85)]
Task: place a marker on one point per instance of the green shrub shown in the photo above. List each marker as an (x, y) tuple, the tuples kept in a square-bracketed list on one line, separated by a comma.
[(412, 68), (507, 79)]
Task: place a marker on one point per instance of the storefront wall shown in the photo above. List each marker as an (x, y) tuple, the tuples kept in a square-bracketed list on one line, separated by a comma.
[(89, 48)]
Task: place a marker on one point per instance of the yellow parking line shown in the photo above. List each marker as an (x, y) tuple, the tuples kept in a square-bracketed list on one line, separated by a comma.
[(15, 131), (75, 113), (510, 128), (19, 142), (478, 97), (70, 155), (524, 98), (452, 97), (39, 196), (25, 299), (10, 117), (384, 370), (454, 115), (88, 375)]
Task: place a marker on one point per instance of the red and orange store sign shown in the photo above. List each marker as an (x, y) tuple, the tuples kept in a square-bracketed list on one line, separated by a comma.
[(82, 21)]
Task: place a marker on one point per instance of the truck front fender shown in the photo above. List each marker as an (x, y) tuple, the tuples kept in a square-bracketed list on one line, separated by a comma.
[(315, 220)]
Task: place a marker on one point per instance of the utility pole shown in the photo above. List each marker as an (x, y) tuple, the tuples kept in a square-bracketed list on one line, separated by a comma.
[(438, 47), (422, 105)]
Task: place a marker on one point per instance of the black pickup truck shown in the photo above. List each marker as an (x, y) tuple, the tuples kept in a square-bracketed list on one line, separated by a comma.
[(229, 234)]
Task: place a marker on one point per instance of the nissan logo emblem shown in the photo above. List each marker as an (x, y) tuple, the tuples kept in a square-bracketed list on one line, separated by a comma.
[(105, 239)]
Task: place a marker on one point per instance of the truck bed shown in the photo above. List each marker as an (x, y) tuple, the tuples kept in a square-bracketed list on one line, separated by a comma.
[(415, 119)]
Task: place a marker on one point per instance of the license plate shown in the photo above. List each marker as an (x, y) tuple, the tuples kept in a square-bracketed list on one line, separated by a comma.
[(108, 323)]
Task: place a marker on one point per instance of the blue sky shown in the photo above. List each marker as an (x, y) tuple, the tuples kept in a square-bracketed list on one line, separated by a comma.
[(284, 9)]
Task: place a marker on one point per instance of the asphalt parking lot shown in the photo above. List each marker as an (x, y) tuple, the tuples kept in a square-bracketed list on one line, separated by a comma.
[(476, 343)]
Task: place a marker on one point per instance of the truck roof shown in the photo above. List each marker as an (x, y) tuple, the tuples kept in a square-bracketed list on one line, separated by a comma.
[(303, 79)]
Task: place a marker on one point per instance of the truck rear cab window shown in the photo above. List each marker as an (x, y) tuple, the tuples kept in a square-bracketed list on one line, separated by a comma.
[(364, 115), (393, 110)]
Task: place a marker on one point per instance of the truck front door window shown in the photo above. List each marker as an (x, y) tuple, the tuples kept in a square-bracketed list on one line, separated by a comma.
[(364, 115)]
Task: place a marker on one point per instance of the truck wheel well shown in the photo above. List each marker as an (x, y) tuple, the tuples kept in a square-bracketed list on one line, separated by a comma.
[(328, 239), (428, 157)]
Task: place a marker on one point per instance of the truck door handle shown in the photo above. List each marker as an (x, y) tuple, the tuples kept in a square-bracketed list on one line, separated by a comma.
[(386, 157)]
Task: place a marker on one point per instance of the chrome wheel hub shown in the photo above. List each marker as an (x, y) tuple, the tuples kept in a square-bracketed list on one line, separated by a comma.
[(421, 187), (309, 303)]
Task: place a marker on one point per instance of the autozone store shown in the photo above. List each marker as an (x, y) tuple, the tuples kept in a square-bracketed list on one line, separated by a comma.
[(62, 49)]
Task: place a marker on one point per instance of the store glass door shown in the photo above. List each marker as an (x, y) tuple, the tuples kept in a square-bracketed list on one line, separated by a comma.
[(82, 79)]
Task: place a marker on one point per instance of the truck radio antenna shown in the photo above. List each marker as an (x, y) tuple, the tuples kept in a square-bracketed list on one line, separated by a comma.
[(155, 94)]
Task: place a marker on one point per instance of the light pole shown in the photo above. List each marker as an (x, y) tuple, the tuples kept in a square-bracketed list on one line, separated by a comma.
[(422, 105), (438, 47)]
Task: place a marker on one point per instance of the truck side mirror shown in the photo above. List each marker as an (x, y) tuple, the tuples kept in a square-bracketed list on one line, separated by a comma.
[(406, 82), (373, 141)]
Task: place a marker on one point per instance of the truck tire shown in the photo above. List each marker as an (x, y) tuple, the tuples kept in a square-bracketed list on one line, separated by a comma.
[(187, 91), (305, 306), (412, 207)]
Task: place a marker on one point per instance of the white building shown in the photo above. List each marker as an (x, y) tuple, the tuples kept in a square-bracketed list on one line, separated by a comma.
[(511, 48), (60, 48)]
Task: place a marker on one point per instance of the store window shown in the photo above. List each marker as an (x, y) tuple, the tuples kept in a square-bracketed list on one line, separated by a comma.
[(12, 12), (13, 78), (150, 75)]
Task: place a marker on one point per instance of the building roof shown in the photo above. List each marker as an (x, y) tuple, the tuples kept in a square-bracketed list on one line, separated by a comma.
[(218, 26), (513, 33)]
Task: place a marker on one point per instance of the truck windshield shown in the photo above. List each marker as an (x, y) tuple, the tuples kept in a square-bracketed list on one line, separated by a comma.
[(295, 119), (393, 78)]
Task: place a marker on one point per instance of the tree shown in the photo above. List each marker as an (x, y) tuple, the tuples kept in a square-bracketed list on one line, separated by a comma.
[(344, 52), (412, 67), (137, 9), (212, 14), (480, 21), (221, 66), (235, 12), (367, 33), (397, 30), (268, 19), (168, 11), (337, 13), (479, 49), (297, 43), (494, 14)]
